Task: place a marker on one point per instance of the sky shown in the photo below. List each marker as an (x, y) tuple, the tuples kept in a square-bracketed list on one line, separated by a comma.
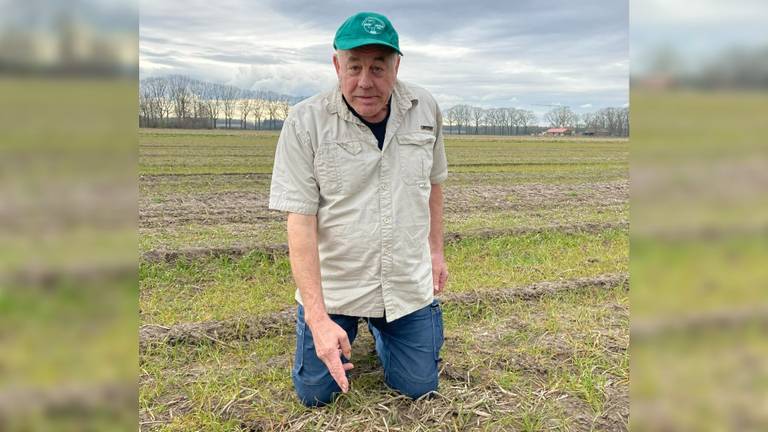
[(696, 35), (530, 54)]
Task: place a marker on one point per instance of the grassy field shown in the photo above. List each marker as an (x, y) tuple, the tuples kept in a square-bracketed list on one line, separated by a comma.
[(536, 310)]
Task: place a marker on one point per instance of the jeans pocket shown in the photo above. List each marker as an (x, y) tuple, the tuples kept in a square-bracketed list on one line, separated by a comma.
[(301, 328), (438, 337)]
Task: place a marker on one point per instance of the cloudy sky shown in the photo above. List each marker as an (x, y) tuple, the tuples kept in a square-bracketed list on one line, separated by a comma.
[(528, 54), (696, 35)]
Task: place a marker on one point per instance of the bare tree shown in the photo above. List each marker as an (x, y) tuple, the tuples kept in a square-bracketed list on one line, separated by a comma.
[(229, 102), (503, 116), (561, 116), (509, 119), (179, 92), (257, 108), (478, 114), (245, 108), (271, 108), (611, 120), (494, 119), (624, 121), (463, 116), (196, 90), (578, 122), (518, 120), (146, 115), (529, 119), (450, 117), (161, 100), (589, 120), (283, 107), (466, 116), (213, 95)]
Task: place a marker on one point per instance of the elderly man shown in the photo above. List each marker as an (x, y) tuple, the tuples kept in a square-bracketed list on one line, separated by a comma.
[(358, 169)]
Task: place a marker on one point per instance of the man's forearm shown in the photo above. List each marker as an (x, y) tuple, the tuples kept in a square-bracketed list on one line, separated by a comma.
[(305, 265), (436, 219)]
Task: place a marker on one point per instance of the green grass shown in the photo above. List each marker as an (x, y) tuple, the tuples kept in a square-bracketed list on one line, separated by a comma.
[(225, 288), (205, 378), (274, 232), (548, 354), (244, 152)]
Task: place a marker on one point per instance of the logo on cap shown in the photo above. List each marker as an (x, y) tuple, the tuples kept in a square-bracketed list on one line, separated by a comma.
[(373, 25)]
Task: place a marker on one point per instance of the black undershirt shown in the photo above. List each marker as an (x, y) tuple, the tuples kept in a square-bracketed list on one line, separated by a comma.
[(379, 129)]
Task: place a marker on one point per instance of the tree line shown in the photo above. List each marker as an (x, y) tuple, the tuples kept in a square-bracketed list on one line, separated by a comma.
[(496, 121), (608, 121), (467, 119), (182, 102)]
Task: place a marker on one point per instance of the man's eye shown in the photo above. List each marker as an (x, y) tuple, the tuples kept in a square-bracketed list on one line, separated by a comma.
[(378, 69)]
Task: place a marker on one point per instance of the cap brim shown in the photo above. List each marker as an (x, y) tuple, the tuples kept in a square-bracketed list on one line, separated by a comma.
[(354, 43)]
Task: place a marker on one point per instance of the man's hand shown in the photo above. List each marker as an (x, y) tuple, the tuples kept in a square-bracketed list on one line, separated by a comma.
[(439, 272), (331, 341)]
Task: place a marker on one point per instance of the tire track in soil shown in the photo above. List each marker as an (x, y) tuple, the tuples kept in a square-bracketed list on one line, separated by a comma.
[(275, 250), (476, 397), (278, 323), (477, 400), (217, 208)]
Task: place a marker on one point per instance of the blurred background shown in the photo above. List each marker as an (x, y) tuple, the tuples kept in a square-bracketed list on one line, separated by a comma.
[(68, 290), (68, 194), (699, 215)]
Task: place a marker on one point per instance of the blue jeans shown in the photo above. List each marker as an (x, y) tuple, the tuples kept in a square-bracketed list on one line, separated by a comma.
[(408, 348)]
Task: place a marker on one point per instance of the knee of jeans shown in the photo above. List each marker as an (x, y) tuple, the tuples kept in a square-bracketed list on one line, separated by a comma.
[(314, 396), (415, 389)]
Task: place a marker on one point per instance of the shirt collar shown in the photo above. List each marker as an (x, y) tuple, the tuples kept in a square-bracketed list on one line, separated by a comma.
[(402, 101)]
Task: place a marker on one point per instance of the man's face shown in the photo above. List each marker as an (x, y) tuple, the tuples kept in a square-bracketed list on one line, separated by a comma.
[(367, 75)]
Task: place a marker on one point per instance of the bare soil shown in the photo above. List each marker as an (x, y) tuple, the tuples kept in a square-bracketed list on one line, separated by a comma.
[(191, 254), (223, 332), (217, 208)]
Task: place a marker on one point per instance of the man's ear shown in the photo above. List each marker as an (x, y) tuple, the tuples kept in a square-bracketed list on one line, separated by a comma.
[(397, 63), (336, 64)]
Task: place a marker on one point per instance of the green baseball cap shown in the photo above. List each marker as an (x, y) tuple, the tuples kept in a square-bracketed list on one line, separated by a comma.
[(366, 28)]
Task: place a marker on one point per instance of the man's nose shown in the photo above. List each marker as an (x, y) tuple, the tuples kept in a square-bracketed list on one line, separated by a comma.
[(365, 80)]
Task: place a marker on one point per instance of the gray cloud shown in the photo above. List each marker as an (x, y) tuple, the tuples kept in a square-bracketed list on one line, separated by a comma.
[(485, 53)]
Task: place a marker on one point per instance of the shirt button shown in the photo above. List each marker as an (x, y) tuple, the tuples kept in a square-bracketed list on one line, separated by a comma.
[(386, 220)]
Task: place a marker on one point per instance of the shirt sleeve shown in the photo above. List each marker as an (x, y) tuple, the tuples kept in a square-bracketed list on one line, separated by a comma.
[(294, 187), (439, 162)]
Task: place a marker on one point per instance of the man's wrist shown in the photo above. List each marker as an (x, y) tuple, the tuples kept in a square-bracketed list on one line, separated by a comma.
[(314, 318)]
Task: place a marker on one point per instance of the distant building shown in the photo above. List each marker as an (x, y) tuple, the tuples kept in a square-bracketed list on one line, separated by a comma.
[(558, 131), (595, 132)]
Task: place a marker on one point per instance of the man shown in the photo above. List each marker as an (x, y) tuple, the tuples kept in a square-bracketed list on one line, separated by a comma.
[(359, 169)]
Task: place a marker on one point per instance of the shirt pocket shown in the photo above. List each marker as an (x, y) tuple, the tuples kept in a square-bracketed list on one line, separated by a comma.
[(338, 166), (326, 168), (415, 150)]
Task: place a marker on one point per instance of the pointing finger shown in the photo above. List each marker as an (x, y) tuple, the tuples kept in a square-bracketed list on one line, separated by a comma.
[(337, 373)]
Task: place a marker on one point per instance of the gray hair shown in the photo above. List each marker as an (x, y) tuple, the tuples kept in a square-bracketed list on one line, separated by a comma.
[(390, 56)]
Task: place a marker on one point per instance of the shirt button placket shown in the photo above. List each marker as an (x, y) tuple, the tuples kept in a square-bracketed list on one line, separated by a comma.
[(385, 199)]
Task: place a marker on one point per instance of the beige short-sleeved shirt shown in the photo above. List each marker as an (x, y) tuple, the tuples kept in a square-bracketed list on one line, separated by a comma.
[(372, 205)]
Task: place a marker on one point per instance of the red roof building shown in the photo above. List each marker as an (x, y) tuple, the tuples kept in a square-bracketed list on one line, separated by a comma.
[(557, 131)]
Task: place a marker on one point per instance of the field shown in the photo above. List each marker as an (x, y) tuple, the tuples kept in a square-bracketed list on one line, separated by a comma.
[(536, 309)]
